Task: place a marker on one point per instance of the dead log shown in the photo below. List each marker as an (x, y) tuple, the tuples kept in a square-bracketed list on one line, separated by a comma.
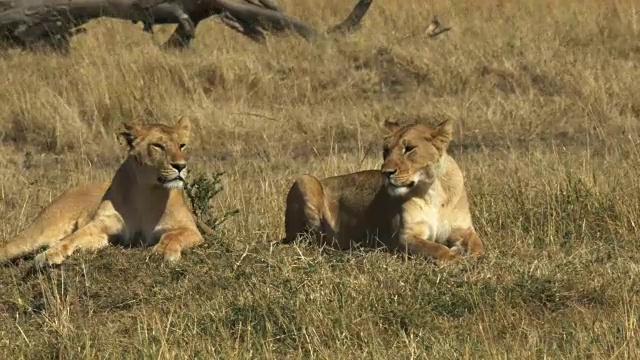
[(52, 23), (252, 18)]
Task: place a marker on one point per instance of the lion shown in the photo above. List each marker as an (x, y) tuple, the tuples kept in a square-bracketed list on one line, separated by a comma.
[(143, 204), (416, 203)]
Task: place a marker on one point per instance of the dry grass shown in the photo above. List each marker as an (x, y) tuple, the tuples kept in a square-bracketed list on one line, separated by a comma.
[(544, 94)]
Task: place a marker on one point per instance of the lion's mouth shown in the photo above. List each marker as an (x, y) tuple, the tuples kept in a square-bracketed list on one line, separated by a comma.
[(395, 183), (171, 181)]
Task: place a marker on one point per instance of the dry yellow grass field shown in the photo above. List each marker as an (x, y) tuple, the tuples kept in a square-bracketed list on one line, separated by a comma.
[(545, 95)]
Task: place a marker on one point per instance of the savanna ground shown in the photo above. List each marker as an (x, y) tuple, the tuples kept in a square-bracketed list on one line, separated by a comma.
[(544, 95)]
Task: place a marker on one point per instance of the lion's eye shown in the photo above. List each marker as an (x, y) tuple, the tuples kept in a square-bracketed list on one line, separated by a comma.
[(158, 146), (385, 152), (182, 147), (408, 149)]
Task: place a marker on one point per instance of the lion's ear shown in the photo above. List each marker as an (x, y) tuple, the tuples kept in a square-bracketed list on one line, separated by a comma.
[(392, 125), (129, 134), (442, 134), (183, 125)]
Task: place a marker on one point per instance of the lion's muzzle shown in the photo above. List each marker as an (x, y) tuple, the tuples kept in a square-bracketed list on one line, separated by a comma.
[(173, 178)]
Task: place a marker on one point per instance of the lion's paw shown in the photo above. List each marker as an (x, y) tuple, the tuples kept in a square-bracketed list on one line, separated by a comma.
[(169, 254), (172, 256), (49, 257)]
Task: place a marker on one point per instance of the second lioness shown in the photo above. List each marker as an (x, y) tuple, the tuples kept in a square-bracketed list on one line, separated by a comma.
[(416, 202)]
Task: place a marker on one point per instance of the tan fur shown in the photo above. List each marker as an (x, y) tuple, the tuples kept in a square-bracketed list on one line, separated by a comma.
[(416, 203), (143, 204)]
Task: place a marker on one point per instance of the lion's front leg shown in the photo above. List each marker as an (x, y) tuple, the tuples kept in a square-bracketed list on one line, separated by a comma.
[(414, 239), (468, 240), (428, 249), (173, 242), (93, 236)]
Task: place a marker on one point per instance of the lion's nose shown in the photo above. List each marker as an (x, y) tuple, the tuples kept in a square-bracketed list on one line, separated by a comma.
[(389, 172), (179, 166)]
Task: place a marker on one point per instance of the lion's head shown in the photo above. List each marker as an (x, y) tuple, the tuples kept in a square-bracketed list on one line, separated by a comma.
[(411, 155), (159, 152)]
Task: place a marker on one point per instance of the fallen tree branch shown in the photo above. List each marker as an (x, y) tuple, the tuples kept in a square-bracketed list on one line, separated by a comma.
[(52, 23), (254, 18)]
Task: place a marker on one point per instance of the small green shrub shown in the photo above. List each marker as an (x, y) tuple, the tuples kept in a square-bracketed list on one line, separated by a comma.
[(201, 190)]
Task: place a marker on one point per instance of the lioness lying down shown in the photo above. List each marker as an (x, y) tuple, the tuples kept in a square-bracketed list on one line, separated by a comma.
[(416, 203), (142, 205)]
